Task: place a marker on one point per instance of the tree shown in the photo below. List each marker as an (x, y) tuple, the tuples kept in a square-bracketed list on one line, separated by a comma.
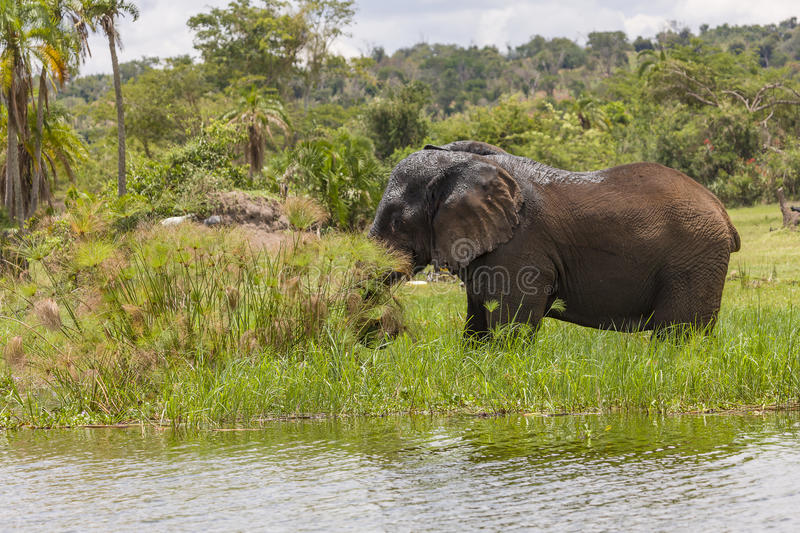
[(62, 44), (258, 114), (12, 33), (244, 40), (163, 105), (61, 146), (325, 20), (397, 120), (609, 47), (27, 35), (342, 173), (106, 13), (640, 43)]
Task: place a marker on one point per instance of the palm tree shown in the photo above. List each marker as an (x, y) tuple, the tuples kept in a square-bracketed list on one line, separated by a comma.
[(62, 147), (21, 40), (60, 43), (29, 33), (106, 13), (11, 28), (258, 113)]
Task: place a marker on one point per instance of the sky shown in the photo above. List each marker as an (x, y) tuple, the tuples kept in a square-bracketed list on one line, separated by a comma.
[(161, 29)]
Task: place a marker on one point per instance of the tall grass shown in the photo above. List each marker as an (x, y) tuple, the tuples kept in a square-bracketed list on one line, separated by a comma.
[(195, 328)]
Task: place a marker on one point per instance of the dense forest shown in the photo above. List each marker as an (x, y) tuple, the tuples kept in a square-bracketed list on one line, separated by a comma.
[(267, 105)]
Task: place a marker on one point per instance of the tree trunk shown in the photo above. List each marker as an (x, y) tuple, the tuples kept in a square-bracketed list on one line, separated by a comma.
[(12, 166), (11, 141), (121, 181), (13, 200), (146, 146), (790, 218), (38, 171)]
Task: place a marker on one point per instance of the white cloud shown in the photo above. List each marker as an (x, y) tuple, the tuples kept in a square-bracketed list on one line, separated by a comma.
[(160, 31), (641, 24), (716, 12)]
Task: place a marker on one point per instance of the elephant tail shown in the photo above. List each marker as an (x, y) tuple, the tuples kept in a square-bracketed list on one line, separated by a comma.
[(736, 241)]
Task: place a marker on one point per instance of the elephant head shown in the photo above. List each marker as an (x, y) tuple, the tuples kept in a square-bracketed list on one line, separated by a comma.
[(448, 205)]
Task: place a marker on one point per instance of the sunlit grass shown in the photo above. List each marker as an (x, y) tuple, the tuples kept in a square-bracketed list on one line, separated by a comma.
[(170, 344)]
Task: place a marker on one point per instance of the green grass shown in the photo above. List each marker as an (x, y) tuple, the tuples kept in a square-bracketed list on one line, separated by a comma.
[(144, 369)]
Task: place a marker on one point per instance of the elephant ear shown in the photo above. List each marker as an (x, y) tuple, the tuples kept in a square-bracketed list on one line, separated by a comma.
[(475, 206)]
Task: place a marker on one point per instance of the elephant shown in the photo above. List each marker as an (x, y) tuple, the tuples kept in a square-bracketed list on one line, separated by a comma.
[(635, 247)]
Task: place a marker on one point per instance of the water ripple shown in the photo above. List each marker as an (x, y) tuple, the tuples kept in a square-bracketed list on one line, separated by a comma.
[(588, 473)]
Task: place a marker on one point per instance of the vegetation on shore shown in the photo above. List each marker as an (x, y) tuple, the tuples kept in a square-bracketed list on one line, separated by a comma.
[(189, 325), (107, 316)]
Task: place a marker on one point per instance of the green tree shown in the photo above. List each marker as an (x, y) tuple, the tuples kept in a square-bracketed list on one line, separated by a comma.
[(27, 35), (106, 13), (325, 20), (397, 120), (66, 33), (342, 173), (245, 40), (610, 48), (258, 114), (165, 105)]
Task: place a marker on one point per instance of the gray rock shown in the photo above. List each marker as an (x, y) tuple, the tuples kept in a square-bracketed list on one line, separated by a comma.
[(213, 220)]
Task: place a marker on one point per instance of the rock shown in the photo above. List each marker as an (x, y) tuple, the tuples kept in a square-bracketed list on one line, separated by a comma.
[(213, 220), (174, 221)]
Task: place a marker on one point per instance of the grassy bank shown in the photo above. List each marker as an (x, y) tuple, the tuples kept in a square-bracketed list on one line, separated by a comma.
[(188, 325)]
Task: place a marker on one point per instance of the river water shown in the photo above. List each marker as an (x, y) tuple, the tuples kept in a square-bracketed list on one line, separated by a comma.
[(579, 473)]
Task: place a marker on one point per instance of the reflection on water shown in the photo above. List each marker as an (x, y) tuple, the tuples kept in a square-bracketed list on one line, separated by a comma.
[(412, 473)]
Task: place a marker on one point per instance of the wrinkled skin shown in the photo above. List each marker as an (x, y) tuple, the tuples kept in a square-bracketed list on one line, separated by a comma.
[(634, 247)]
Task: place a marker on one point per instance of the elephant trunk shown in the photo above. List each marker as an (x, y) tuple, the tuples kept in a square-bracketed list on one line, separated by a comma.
[(390, 277)]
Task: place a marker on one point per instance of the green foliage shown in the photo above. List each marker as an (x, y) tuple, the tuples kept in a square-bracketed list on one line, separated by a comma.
[(163, 105), (707, 147), (502, 125), (90, 254), (195, 329), (396, 120), (256, 116), (182, 180), (720, 106), (609, 48), (537, 130), (304, 213), (341, 172)]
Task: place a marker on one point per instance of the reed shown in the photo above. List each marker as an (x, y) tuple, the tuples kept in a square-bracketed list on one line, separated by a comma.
[(198, 329)]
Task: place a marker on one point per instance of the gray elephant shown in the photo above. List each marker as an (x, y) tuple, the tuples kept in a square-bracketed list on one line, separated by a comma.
[(629, 248)]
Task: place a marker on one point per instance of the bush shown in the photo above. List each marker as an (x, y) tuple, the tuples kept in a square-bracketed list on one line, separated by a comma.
[(180, 183), (341, 172)]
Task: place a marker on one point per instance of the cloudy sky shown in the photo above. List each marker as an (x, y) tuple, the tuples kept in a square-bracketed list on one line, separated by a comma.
[(161, 29)]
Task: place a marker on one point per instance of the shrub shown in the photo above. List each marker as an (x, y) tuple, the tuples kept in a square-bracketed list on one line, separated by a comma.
[(181, 181), (304, 213), (341, 172)]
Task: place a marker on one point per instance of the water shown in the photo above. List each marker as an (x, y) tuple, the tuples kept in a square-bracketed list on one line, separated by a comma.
[(587, 473)]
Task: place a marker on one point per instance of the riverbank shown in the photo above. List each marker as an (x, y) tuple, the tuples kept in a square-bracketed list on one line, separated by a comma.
[(184, 326)]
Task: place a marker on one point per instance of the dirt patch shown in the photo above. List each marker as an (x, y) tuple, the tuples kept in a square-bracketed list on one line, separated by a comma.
[(240, 208), (261, 220)]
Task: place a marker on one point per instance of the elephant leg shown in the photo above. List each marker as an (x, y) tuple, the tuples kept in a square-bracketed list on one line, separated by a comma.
[(528, 310), (689, 301), (476, 327)]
